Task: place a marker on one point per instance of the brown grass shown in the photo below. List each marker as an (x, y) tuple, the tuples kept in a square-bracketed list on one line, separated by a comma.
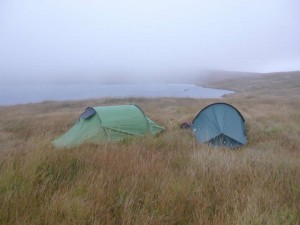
[(167, 179)]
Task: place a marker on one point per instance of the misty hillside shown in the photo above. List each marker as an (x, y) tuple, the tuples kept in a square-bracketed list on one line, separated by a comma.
[(278, 84)]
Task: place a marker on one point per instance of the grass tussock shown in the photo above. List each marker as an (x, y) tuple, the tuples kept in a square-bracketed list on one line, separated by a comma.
[(166, 179)]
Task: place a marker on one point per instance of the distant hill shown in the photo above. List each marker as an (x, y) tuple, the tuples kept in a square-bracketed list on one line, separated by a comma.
[(279, 83)]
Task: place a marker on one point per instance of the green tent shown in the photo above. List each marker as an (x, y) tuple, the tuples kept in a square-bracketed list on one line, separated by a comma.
[(108, 123), (220, 124)]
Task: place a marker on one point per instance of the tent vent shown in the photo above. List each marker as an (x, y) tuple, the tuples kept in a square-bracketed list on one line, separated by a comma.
[(89, 111)]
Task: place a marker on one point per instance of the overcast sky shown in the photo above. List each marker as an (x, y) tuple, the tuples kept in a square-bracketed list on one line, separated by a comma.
[(70, 40)]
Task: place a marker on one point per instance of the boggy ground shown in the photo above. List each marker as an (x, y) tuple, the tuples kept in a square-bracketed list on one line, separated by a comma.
[(163, 179)]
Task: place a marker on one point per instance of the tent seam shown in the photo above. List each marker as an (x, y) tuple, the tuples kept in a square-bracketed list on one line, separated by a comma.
[(101, 123), (144, 116)]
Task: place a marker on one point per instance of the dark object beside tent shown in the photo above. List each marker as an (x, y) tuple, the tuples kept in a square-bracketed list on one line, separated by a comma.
[(220, 124), (108, 123), (186, 125)]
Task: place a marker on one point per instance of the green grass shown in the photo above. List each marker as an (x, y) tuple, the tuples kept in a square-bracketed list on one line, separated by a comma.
[(165, 179)]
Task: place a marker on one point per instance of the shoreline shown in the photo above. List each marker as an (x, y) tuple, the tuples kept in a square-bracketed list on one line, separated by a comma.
[(117, 91)]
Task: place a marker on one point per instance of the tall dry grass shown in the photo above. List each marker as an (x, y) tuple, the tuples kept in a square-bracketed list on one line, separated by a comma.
[(166, 179)]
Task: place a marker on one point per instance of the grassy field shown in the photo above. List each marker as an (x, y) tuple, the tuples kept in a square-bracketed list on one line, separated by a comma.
[(165, 179)]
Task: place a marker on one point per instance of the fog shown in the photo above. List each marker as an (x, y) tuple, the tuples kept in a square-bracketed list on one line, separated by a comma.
[(71, 41)]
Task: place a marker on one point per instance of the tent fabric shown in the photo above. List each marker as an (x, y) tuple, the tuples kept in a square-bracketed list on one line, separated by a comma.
[(108, 123), (220, 124)]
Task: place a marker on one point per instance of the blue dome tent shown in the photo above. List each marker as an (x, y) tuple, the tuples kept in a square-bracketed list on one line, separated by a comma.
[(220, 124)]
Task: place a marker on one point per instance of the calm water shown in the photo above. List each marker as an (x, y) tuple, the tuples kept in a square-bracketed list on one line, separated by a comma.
[(20, 94)]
